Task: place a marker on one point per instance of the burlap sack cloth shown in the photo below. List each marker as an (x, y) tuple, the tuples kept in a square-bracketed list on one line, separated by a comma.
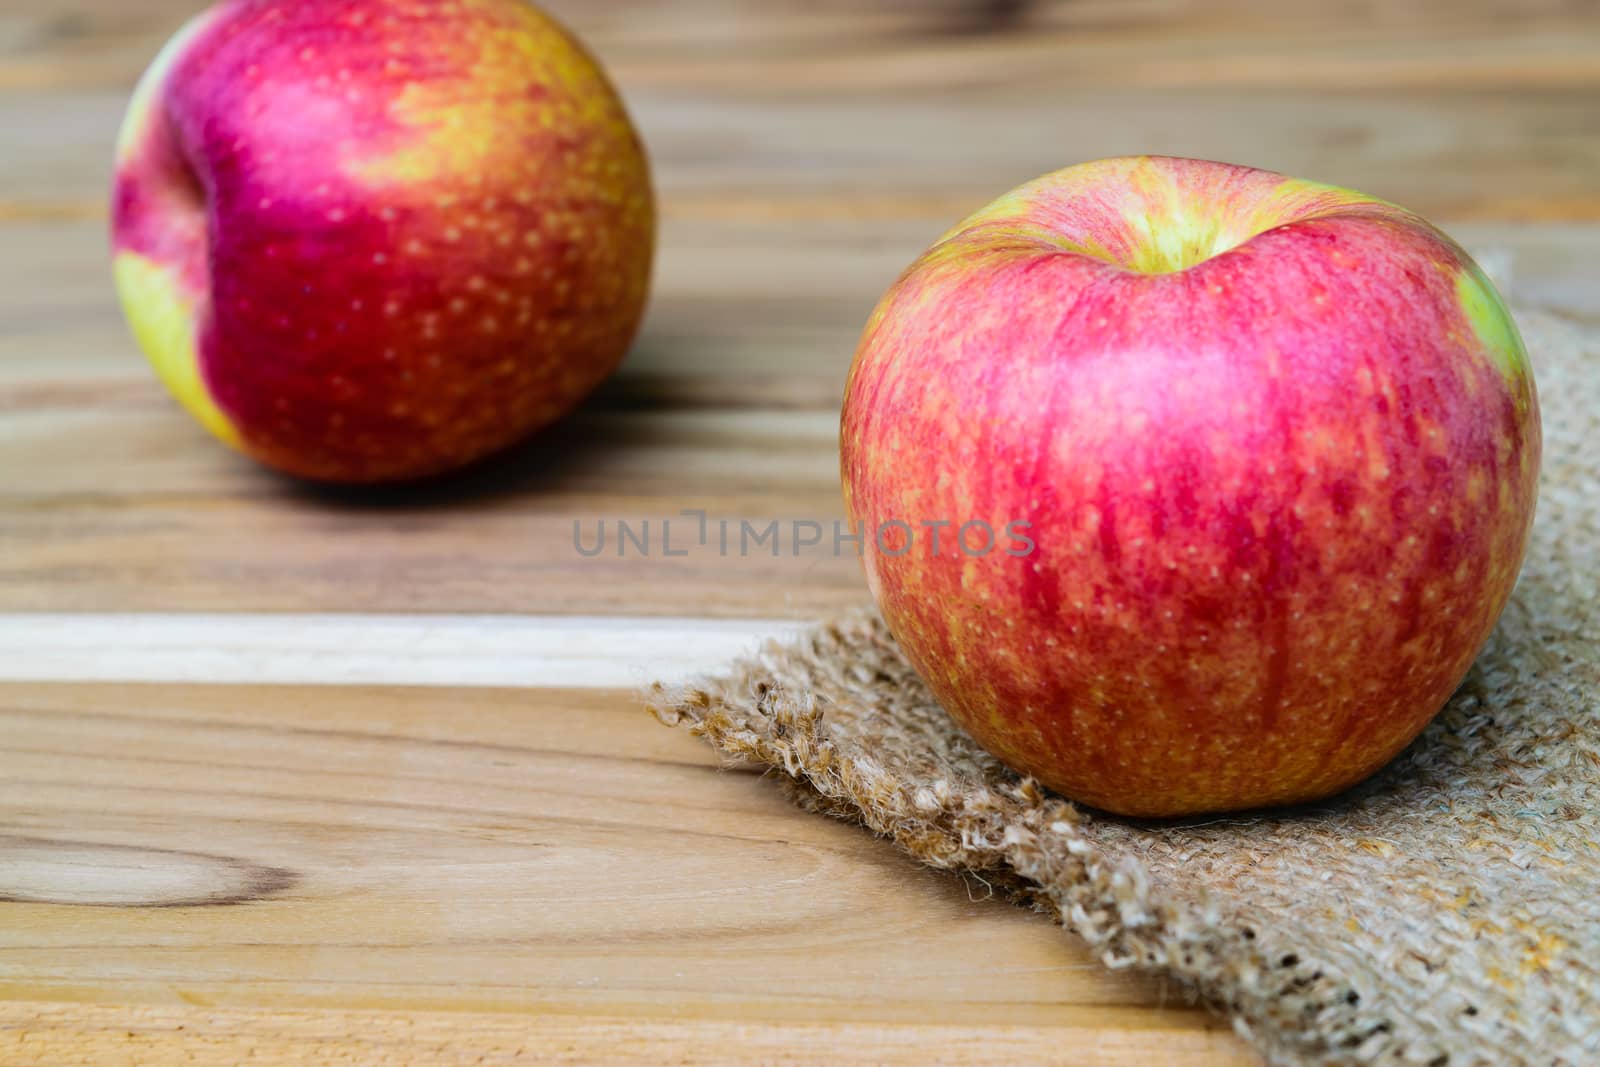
[(1445, 912)]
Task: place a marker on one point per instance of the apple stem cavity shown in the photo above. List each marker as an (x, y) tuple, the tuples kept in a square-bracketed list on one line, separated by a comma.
[(1161, 219), (163, 210)]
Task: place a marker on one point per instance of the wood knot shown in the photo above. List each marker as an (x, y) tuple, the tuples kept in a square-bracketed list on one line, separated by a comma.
[(81, 874)]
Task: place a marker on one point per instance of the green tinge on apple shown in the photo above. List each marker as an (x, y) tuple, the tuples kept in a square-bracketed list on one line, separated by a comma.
[(1491, 320)]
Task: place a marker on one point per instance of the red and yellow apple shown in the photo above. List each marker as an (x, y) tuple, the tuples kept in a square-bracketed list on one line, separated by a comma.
[(1276, 445), (371, 240)]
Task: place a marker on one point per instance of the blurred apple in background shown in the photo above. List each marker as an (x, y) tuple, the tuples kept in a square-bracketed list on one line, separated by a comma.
[(1278, 443), (371, 240)]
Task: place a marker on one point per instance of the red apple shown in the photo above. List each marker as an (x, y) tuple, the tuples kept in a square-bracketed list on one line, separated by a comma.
[(1276, 444), (369, 240)]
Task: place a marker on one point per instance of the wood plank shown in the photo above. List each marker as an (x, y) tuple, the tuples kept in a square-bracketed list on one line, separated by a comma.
[(144, 1036), (831, 45), (314, 851), (726, 154), (308, 554), (112, 500)]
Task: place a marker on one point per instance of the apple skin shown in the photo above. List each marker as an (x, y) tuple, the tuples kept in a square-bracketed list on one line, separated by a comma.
[(375, 240), (1278, 443)]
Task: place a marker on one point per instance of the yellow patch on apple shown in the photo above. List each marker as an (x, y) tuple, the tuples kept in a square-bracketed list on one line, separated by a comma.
[(161, 316)]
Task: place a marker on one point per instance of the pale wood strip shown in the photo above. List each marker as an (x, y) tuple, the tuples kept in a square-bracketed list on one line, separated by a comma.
[(414, 650)]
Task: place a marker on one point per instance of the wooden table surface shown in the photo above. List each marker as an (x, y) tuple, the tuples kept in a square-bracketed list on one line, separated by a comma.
[(314, 777)]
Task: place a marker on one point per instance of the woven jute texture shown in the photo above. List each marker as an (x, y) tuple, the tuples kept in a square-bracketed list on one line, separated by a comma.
[(1445, 912)]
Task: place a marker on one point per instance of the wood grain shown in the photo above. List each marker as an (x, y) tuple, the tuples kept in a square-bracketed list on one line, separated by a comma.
[(487, 851), (1479, 109), (143, 1036), (1472, 153), (840, 46)]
